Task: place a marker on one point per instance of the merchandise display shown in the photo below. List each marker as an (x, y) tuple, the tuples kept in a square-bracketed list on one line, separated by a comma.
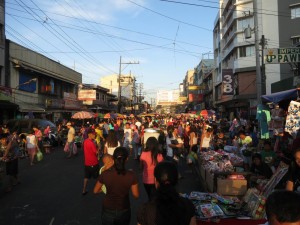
[(211, 206)]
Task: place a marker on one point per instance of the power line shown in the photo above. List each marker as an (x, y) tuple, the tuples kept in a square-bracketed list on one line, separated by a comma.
[(110, 26), (168, 17)]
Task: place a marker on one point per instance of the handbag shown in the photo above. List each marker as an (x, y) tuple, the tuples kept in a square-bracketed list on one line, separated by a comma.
[(39, 156)]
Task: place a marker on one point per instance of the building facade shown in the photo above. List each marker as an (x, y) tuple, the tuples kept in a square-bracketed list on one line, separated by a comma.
[(39, 86), (235, 81)]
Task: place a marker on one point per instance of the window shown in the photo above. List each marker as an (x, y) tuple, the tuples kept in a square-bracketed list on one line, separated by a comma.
[(244, 23), (295, 12), (246, 51)]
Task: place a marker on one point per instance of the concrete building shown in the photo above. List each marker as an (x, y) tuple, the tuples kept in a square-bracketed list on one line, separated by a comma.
[(203, 79), (40, 86), (235, 54), (127, 83)]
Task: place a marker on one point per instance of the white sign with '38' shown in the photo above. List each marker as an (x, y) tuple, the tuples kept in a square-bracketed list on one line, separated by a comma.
[(227, 81)]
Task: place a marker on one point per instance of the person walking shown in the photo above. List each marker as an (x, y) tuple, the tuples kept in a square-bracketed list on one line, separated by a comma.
[(168, 207), (91, 163), (31, 146), (118, 181), (70, 139), (111, 143), (149, 158)]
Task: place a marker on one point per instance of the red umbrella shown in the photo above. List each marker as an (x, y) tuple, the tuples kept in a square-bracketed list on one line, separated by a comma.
[(83, 115), (206, 113)]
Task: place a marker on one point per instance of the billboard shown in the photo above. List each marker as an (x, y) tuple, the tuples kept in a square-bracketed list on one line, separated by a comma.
[(86, 95), (227, 82), (282, 55), (195, 97)]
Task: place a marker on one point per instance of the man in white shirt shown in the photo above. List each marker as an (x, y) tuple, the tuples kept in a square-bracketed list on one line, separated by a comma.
[(71, 139), (127, 137)]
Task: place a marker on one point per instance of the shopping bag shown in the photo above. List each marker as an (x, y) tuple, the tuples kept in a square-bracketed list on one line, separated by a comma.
[(66, 148), (39, 156), (75, 149)]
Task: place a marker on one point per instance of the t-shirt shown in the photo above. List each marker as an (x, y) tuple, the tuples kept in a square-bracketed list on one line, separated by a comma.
[(294, 176), (31, 141), (168, 142), (90, 153), (127, 135), (268, 156), (117, 187), (147, 212), (71, 134), (111, 150), (148, 171)]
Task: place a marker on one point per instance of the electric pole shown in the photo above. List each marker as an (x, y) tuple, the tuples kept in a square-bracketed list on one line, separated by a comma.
[(119, 81)]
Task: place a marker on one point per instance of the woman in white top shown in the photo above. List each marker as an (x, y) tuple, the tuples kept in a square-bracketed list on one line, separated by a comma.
[(111, 142), (193, 138), (206, 138), (31, 146)]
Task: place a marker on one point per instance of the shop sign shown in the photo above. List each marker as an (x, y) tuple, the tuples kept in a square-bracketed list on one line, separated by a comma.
[(88, 102), (195, 97), (282, 55), (86, 95), (72, 104), (5, 93), (197, 87), (227, 81), (54, 103), (69, 96)]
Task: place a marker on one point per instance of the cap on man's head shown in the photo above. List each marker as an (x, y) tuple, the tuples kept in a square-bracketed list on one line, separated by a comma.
[(69, 124), (91, 131)]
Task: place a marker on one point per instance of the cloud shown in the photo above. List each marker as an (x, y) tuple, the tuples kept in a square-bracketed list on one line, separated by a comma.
[(97, 10)]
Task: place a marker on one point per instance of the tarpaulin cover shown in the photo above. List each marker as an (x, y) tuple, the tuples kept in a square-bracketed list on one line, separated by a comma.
[(282, 95)]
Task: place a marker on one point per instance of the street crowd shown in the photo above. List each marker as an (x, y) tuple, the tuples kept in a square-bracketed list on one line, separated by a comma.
[(108, 143)]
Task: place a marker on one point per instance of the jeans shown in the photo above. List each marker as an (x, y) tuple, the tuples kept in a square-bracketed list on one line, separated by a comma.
[(135, 148), (71, 145), (116, 217)]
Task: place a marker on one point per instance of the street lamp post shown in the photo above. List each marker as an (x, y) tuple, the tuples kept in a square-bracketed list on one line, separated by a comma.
[(25, 83)]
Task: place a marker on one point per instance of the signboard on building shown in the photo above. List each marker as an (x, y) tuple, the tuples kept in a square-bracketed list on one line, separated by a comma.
[(282, 55), (5, 93), (197, 87), (71, 101), (54, 103), (227, 81), (86, 95), (195, 97)]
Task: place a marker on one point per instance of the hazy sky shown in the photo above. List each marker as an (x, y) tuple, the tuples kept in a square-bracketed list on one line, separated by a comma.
[(166, 38)]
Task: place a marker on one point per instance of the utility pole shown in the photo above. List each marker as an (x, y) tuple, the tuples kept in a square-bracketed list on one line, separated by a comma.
[(119, 81), (258, 71), (263, 68)]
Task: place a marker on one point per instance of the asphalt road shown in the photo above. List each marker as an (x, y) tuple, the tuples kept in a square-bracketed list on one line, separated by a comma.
[(50, 193)]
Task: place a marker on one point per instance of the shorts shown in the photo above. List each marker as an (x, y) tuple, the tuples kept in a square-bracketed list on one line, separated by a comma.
[(91, 171)]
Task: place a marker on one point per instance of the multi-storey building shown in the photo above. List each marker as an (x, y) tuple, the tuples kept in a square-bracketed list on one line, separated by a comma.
[(236, 52)]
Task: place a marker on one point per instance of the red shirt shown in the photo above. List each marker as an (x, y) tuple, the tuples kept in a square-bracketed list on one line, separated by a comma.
[(90, 153)]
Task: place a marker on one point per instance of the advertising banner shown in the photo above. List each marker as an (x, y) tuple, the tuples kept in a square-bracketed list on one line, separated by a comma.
[(195, 97), (86, 95), (282, 55), (227, 81)]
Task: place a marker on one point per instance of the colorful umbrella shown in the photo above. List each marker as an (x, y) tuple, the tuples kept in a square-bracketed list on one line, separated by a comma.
[(83, 115), (107, 116), (207, 113), (118, 115)]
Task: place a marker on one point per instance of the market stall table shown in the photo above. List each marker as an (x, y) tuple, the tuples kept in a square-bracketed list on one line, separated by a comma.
[(233, 221)]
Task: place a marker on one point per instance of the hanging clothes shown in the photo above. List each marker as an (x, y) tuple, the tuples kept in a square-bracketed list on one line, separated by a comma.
[(292, 124), (263, 116), (277, 121)]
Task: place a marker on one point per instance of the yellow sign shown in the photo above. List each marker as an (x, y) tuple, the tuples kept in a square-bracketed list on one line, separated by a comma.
[(183, 99), (196, 87)]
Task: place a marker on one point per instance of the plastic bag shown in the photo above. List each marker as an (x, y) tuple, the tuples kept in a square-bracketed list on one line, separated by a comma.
[(66, 148), (39, 156)]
